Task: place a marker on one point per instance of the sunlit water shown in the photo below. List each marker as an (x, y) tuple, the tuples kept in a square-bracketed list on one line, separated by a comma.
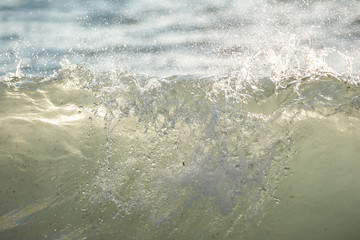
[(179, 120)]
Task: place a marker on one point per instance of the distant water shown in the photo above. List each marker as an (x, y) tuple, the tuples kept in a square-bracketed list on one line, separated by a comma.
[(179, 119)]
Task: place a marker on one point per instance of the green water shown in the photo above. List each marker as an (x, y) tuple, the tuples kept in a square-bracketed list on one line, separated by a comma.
[(319, 200), (177, 159)]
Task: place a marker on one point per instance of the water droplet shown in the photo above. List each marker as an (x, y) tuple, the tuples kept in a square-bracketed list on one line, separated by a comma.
[(277, 201)]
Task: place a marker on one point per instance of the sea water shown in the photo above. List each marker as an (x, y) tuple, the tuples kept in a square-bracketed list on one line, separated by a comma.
[(179, 119)]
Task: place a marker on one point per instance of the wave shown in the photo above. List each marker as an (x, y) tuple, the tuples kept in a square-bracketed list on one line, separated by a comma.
[(180, 152)]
